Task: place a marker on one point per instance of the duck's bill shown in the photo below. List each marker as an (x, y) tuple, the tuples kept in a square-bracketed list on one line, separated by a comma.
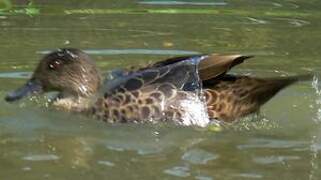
[(32, 87)]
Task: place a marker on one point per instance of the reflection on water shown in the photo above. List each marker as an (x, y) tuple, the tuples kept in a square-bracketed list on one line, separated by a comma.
[(282, 141)]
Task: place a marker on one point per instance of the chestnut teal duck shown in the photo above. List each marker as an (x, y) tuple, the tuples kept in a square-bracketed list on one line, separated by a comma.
[(181, 89)]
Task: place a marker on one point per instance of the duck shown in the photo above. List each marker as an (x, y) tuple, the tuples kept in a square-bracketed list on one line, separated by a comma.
[(188, 90)]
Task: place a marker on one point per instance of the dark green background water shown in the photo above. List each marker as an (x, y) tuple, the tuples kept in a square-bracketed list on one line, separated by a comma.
[(39, 143)]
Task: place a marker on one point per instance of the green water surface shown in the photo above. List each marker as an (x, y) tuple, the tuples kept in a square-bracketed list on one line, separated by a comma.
[(284, 142)]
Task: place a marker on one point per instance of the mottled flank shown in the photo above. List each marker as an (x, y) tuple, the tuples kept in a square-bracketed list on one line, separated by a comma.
[(186, 90), (152, 102)]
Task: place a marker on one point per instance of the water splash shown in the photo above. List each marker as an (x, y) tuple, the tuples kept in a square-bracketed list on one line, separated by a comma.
[(314, 158), (256, 121), (315, 138), (317, 87)]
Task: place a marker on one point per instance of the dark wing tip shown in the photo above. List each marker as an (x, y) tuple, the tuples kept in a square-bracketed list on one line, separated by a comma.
[(240, 59)]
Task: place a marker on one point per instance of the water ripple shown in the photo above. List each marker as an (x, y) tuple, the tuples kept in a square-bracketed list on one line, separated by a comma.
[(249, 175), (256, 21), (274, 159), (16, 75), (179, 171), (106, 163), (195, 3), (198, 156), (41, 157), (271, 143), (133, 51), (295, 22)]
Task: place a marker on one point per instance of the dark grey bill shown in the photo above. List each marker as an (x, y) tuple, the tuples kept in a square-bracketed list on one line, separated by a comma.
[(30, 88)]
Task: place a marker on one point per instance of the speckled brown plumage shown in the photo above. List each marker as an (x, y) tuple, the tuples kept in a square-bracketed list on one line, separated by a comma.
[(155, 94), (176, 89), (232, 97), (226, 97)]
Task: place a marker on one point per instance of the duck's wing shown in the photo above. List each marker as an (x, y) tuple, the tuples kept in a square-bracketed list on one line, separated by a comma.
[(210, 66), (117, 76), (182, 75), (215, 65), (171, 92), (173, 60)]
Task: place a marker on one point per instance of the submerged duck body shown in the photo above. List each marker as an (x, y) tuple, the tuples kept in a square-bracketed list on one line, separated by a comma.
[(189, 90)]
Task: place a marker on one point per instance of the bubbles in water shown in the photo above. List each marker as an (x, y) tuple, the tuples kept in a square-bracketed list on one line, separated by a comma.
[(255, 121)]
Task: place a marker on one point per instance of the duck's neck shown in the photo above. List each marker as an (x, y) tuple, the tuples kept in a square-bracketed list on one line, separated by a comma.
[(81, 98), (74, 103)]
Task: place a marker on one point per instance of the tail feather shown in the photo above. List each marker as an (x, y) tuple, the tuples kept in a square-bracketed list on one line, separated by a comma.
[(272, 86), (237, 96)]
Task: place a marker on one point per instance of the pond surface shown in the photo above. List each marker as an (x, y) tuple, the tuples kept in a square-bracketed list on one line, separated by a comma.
[(284, 142)]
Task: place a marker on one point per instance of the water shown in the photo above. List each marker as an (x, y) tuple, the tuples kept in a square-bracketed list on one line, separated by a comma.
[(283, 142)]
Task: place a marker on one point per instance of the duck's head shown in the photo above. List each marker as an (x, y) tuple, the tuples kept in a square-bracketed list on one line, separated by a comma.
[(68, 71)]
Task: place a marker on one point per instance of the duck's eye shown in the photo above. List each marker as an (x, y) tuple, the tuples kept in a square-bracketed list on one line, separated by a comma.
[(54, 65)]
